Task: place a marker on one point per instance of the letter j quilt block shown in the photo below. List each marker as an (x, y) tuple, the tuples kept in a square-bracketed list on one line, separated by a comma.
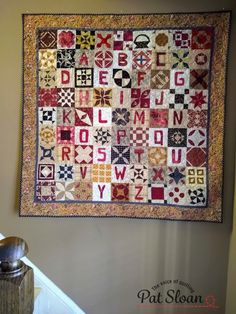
[(123, 115)]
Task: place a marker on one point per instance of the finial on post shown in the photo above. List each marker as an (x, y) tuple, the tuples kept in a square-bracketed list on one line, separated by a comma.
[(12, 249), (16, 278)]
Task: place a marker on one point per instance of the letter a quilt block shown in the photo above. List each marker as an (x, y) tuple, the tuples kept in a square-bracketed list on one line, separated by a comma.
[(124, 115)]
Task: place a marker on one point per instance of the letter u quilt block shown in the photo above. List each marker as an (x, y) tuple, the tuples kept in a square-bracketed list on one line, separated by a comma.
[(123, 115)]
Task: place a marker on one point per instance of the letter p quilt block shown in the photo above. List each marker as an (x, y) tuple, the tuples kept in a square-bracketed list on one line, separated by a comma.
[(124, 115)]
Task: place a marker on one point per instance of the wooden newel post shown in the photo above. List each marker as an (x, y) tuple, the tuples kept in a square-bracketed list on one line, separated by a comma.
[(16, 278)]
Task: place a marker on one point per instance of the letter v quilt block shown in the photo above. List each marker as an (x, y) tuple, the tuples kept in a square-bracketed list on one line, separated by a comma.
[(123, 115)]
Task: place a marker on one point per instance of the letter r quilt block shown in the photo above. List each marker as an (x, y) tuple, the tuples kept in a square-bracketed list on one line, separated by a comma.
[(123, 115)]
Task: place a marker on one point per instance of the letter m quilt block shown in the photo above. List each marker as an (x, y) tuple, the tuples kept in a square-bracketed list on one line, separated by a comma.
[(124, 115)]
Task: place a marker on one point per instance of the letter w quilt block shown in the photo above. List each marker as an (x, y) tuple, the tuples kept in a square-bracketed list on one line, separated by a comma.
[(124, 115)]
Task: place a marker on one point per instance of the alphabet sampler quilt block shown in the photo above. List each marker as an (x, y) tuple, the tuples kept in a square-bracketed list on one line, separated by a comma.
[(124, 115)]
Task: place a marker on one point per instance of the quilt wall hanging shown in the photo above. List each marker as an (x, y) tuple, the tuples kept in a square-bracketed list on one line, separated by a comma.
[(123, 115)]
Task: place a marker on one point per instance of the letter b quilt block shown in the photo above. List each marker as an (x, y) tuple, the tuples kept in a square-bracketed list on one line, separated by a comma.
[(122, 116)]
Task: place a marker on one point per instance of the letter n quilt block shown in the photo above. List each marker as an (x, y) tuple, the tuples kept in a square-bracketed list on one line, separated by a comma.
[(123, 115)]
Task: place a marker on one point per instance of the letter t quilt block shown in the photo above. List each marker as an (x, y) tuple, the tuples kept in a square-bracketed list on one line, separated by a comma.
[(124, 115)]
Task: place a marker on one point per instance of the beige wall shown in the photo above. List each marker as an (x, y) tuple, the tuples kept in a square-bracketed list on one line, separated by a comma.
[(102, 263), (231, 286)]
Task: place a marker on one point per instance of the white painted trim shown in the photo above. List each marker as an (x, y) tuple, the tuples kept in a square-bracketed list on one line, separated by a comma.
[(43, 281)]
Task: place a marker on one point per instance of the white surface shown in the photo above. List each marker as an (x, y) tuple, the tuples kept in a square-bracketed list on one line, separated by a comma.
[(51, 299)]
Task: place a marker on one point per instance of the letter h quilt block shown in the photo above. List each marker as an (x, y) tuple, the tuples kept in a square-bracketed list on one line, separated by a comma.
[(124, 115)]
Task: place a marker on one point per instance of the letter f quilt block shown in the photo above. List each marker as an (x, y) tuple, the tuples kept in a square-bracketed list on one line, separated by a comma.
[(124, 115)]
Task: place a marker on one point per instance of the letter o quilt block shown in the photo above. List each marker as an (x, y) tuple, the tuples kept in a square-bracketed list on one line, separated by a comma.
[(122, 116)]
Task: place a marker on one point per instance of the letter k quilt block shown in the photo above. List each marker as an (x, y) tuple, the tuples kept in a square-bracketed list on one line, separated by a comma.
[(123, 115)]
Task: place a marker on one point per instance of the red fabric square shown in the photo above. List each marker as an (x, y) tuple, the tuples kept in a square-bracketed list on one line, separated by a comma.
[(196, 157), (158, 118), (47, 97), (118, 45), (157, 193), (120, 192), (202, 38), (128, 36)]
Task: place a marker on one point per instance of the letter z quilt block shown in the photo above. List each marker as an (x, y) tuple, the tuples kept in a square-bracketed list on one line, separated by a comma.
[(124, 115)]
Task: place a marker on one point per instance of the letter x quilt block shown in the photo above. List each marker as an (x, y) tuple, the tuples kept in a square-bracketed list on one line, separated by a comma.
[(124, 115)]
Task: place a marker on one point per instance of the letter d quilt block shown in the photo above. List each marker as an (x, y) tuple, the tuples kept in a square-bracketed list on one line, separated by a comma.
[(124, 115)]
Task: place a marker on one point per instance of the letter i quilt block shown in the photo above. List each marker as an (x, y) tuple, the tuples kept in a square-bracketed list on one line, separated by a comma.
[(124, 115)]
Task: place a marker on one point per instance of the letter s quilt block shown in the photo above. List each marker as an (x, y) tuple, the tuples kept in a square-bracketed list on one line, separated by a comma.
[(124, 115)]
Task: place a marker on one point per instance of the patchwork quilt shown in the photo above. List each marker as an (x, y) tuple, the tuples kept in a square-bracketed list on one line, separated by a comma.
[(124, 115)]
